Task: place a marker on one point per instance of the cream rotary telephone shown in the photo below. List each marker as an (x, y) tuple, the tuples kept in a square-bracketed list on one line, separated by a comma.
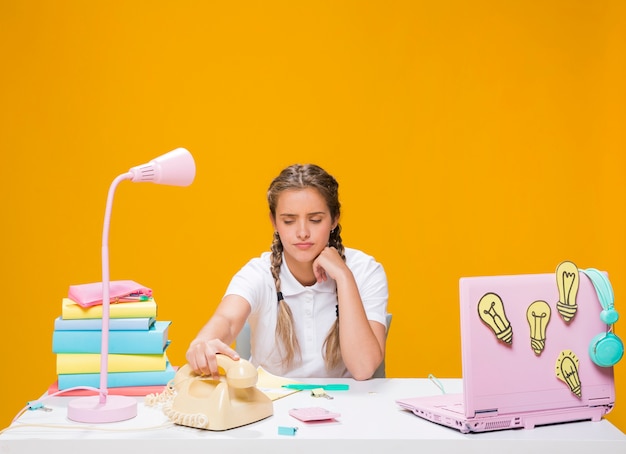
[(232, 401)]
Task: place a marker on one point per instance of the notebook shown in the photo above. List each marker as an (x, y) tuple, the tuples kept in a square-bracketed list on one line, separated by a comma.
[(519, 373)]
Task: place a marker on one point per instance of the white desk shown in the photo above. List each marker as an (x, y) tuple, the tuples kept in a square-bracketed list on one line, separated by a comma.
[(370, 422)]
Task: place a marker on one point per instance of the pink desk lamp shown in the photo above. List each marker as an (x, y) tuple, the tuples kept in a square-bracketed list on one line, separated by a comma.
[(176, 168)]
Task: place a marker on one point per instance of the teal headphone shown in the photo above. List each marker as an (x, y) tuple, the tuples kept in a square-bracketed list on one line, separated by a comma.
[(605, 349)]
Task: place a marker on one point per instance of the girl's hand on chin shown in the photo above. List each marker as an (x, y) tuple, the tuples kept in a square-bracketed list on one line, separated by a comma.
[(327, 264)]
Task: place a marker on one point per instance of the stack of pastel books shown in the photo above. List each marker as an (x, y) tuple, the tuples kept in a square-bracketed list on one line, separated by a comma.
[(137, 360)]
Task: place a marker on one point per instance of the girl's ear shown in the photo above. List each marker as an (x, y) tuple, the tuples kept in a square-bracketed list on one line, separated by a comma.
[(273, 221)]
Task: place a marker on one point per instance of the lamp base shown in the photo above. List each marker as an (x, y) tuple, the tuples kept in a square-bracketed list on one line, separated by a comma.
[(90, 410)]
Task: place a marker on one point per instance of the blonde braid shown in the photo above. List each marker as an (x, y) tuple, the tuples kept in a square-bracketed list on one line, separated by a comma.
[(332, 350), (284, 319)]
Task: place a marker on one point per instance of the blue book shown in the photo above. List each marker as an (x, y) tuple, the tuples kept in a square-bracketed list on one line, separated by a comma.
[(152, 341), (94, 324), (118, 379)]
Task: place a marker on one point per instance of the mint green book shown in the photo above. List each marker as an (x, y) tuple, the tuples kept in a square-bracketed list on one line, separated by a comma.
[(94, 324)]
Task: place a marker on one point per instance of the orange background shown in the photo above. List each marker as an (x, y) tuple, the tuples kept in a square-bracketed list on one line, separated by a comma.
[(469, 138)]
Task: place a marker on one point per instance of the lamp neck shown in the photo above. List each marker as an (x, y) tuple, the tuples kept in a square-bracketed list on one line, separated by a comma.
[(104, 348)]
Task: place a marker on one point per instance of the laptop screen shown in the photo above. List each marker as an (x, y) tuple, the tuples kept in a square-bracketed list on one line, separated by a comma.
[(525, 343)]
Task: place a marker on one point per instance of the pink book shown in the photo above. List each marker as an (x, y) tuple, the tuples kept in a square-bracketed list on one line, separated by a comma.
[(123, 391)]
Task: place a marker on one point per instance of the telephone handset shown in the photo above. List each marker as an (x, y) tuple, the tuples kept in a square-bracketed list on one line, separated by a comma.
[(232, 401)]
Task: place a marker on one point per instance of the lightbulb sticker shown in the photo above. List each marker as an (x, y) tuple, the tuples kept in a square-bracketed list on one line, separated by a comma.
[(567, 371), (567, 281), (491, 311), (538, 316)]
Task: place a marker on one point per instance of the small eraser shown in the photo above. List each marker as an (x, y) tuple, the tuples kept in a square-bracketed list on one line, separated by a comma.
[(283, 430)]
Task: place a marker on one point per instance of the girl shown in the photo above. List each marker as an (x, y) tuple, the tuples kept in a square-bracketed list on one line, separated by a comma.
[(315, 308)]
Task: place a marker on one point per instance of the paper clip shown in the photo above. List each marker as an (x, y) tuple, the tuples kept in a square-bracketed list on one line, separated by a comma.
[(37, 405), (319, 392)]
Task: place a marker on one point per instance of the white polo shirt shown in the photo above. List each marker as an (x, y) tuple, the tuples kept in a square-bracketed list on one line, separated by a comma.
[(313, 311)]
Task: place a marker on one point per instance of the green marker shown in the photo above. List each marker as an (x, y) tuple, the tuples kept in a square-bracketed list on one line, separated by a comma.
[(330, 387)]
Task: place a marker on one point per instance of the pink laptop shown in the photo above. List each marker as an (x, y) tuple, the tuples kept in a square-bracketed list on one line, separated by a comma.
[(525, 353)]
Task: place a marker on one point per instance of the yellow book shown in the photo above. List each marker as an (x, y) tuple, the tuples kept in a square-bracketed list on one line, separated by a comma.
[(133, 309), (89, 363)]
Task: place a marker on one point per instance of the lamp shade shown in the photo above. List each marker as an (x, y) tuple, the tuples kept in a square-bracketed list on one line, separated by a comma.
[(175, 168)]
